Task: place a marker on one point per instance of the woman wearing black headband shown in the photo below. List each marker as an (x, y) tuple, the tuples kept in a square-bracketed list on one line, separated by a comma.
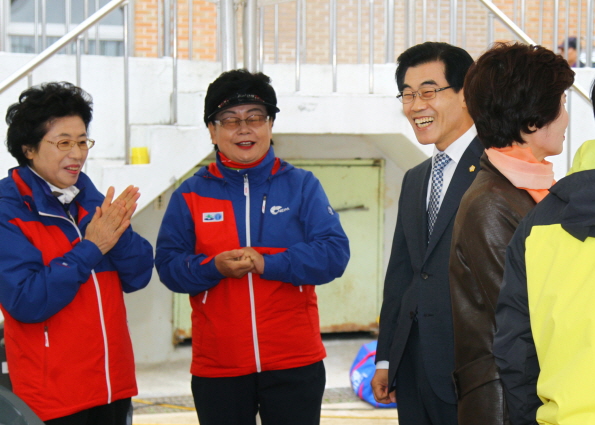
[(249, 237)]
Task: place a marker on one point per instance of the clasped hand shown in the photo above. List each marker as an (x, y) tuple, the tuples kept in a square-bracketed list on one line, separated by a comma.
[(238, 262), (111, 219)]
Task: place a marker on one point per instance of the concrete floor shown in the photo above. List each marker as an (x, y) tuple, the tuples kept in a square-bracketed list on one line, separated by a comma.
[(173, 380)]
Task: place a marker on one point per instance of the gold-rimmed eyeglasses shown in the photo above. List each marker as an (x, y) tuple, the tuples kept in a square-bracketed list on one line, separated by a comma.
[(253, 121), (425, 94), (66, 145)]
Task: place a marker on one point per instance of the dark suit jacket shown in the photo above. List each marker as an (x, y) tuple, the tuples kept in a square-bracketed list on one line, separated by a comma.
[(417, 275)]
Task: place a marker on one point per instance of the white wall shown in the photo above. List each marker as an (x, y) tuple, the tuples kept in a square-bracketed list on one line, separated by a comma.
[(150, 310), (313, 110)]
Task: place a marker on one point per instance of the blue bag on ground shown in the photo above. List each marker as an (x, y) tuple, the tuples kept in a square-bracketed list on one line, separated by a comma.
[(362, 372)]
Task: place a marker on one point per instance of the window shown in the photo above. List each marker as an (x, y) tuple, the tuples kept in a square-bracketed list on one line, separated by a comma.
[(103, 39)]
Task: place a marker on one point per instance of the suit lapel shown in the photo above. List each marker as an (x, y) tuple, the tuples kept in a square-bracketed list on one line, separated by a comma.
[(421, 217), (461, 180)]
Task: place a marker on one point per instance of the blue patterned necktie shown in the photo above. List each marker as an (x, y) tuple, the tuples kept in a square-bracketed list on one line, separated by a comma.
[(441, 160)]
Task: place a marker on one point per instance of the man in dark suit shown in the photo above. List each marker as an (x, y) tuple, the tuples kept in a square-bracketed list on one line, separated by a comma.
[(415, 356)]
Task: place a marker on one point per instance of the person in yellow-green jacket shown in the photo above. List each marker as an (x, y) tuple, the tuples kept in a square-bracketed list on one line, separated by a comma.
[(584, 158), (545, 342)]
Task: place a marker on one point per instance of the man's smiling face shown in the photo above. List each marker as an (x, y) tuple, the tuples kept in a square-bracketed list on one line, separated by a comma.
[(439, 121)]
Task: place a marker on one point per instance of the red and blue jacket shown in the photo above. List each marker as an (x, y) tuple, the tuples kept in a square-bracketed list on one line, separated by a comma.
[(67, 341), (259, 322)]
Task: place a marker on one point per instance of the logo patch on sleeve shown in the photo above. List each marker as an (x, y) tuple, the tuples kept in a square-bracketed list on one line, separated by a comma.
[(212, 217)]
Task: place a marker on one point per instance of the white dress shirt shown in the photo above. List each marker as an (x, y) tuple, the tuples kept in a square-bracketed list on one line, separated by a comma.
[(455, 151)]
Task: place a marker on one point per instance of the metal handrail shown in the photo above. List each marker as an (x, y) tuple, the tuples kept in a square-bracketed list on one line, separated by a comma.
[(523, 36), (73, 36), (126, 87), (298, 45), (333, 41), (174, 57), (228, 35), (250, 24), (3, 24), (589, 33), (58, 45)]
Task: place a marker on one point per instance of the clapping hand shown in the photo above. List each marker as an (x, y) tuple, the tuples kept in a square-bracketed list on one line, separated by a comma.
[(111, 219)]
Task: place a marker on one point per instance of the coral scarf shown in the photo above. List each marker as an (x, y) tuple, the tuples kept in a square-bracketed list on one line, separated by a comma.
[(523, 170)]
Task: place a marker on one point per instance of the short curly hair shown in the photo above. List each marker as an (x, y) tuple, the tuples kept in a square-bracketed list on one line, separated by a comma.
[(38, 106), (512, 87)]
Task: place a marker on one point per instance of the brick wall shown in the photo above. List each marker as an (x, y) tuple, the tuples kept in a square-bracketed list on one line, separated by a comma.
[(317, 39), (145, 28), (148, 35)]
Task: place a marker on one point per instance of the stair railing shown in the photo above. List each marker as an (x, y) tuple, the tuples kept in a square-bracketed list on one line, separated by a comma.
[(525, 38), (72, 36)]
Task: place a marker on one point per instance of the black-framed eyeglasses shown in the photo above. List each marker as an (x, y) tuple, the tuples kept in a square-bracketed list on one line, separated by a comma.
[(426, 94), (232, 123), (66, 145)]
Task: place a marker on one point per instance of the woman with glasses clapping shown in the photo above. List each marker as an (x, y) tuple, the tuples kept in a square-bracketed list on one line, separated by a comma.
[(66, 256), (249, 237)]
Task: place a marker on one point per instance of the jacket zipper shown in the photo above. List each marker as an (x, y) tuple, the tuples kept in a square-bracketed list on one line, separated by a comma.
[(71, 220), (250, 281), (262, 214), (46, 336)]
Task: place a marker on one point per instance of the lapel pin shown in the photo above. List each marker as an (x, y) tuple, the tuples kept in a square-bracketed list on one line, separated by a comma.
[(472, 168)]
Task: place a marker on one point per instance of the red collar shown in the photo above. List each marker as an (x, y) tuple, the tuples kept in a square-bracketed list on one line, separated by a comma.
[(237, 165)]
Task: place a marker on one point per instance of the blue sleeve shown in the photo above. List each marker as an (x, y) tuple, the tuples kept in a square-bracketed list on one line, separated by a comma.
[(179, 268), (32, 292), (514, 348), (132, 257), (325, 253)]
